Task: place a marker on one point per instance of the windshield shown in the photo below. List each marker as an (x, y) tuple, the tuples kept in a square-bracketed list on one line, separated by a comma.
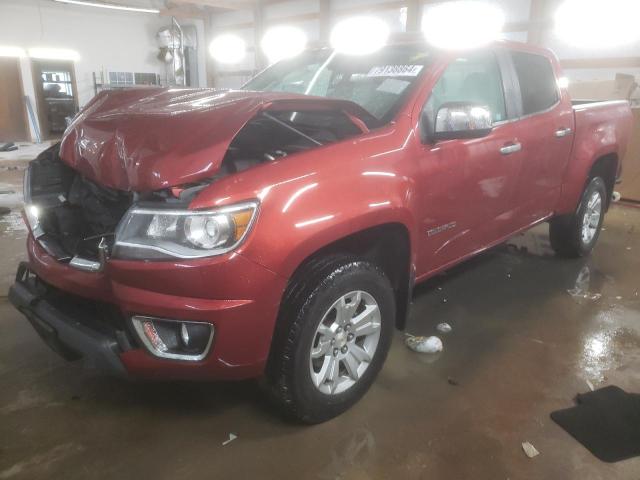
[(378, 82)]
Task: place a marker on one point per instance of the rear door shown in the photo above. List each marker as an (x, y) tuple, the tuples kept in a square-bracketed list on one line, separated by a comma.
[(468, 186), (545, 130)]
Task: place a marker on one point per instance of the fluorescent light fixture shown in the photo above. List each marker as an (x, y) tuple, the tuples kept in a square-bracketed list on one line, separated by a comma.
[(228, 48), (598, 24), (359, 35), (463, 24), (10, 51), (54, 54), (109, 5), (283, 42)]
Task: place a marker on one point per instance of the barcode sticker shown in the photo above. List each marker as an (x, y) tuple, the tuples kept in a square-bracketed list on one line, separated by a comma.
[(395, 71)]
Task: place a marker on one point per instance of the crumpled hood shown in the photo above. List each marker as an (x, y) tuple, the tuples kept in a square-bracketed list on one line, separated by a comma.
[(152, 138)]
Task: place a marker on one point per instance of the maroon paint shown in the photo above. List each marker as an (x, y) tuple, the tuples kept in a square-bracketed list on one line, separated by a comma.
[(136, 141)]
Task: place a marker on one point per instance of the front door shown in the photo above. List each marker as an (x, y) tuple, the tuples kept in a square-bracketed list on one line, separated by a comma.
[(468, 186)]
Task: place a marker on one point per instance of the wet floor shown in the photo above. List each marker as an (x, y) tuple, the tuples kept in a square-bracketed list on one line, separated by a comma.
[(530, 331)]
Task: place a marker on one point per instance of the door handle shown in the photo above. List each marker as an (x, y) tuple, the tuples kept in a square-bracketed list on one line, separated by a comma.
[(511, 148), (563, 132)]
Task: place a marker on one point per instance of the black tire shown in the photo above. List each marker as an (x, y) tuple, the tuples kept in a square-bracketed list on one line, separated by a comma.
[(310, 295), (565, 232)]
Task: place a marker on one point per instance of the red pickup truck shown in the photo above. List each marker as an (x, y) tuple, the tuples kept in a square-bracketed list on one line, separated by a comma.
[(277, 231)]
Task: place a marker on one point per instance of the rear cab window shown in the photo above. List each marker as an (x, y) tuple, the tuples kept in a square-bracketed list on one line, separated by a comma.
[(538, 86)]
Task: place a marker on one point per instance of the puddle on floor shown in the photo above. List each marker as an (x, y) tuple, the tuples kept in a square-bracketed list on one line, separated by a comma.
[(12, 225)]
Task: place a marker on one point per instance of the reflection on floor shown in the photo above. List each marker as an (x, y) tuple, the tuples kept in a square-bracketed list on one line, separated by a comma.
[(530, 331)]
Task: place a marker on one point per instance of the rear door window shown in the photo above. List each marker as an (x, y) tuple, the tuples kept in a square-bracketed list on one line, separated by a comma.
[(537, 80)]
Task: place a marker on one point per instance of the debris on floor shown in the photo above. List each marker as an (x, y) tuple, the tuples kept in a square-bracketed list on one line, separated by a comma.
[(575, 293), (443, 327), (452, 381), (232, 437), (590, 385), (424, 344), (529, 450), (8, 147)]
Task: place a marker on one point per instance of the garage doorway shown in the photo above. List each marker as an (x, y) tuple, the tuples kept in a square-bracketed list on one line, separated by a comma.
[(13, 114), (56, 95)]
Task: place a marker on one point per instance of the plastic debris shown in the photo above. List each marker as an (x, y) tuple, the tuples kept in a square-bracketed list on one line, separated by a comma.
[(424, 344), (590, 385), (579, 293), (616, 196), (529, 450), (443, 327), (232, 437)]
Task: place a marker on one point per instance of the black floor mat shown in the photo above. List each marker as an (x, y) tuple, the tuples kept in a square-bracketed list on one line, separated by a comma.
[(606, 422)]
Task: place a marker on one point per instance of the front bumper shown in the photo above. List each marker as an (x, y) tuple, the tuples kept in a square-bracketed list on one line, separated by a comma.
[(73, 338), (239, 297)]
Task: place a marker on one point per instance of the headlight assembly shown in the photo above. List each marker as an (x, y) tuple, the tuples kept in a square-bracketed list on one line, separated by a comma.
[(148, 234)]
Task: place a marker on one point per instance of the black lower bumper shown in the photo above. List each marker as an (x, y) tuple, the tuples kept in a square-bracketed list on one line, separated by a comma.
[(72, 337)]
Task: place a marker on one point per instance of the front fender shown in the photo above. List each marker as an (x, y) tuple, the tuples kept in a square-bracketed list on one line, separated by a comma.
[(312, 199)]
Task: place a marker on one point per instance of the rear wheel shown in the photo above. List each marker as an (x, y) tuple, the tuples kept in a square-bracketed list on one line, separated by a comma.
[(576, 235), (332, 338)]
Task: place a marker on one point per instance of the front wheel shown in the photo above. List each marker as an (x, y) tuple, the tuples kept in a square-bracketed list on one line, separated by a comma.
[(332, 338), (576, 235)]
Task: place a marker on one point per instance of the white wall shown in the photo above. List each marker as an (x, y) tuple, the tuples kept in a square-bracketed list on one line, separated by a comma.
[(108, 40)]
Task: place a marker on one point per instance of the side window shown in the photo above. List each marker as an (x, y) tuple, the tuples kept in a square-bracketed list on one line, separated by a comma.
[(537, 82), (475, 78)]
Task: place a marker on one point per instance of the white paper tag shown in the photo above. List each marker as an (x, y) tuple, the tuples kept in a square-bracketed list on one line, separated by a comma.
[(395, 71), (393, 85)]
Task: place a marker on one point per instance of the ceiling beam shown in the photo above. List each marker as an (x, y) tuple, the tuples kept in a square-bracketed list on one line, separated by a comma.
[(183, 12)]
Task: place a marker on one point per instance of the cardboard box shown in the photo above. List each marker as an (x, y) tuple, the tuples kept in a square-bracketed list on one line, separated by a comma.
[(630, 186)]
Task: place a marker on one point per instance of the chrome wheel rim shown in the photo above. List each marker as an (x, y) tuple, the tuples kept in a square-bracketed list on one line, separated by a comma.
[(591, 218), (345, 342)]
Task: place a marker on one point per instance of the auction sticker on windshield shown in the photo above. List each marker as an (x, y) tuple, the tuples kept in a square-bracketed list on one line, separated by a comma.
[(395, 71)]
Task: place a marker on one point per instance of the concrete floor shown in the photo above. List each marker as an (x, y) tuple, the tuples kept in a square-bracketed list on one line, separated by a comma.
[(529, 330)]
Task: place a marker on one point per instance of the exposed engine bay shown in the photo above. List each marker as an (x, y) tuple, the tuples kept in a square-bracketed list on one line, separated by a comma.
[(76, 217), (74, 214), (273, 135)]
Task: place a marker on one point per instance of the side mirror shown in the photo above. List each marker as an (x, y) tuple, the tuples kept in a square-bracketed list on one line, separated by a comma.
[(456, 120)]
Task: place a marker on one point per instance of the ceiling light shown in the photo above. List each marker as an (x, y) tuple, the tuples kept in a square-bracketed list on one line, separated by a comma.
[(54, 54), (109, 5), (461, 25), (598, 24), (359, 35), (8, 51), (228, 48), (283, 42)]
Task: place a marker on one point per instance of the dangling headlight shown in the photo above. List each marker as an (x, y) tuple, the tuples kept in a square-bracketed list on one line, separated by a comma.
[(147, 234)]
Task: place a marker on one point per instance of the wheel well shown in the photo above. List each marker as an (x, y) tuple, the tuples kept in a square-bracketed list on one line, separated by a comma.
[(607, 168), (387, 246)]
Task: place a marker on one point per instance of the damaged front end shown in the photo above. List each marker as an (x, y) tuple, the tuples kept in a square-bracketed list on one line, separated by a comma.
[(122, 179), (73, 218)]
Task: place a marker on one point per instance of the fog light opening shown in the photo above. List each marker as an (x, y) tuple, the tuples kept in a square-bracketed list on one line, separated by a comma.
[(174, 339)]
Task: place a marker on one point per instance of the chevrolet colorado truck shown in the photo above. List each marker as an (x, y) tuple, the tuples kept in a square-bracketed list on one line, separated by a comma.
[(277, 231)]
